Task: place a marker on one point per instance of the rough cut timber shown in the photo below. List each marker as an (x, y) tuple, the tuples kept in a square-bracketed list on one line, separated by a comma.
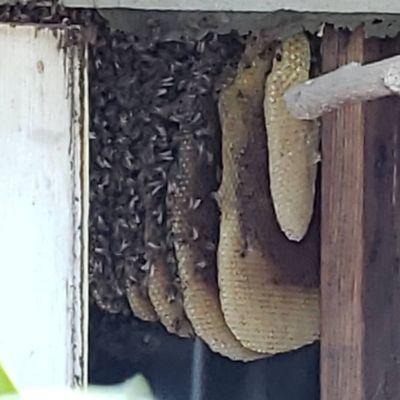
[(360, 341)]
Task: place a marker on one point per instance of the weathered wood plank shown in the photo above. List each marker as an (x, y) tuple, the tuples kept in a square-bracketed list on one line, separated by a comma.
[(381, 289), (354, 6), (341, 232), (44, 201), (360, 340)]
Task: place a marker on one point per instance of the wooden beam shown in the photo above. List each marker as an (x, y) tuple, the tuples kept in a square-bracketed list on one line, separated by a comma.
[(360, 281), (342, 6), (44, 200)]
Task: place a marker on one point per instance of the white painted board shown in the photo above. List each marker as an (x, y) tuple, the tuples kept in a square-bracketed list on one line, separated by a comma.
[(334, 6), (43, 207)]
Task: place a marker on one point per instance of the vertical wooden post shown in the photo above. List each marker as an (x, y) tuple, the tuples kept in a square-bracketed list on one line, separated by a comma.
[(360, 231), (44, 200)]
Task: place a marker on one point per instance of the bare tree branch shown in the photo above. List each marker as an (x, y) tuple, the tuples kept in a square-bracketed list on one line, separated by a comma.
[(350, 83)]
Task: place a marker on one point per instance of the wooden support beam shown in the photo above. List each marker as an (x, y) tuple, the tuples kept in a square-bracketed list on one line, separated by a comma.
[(44, 200), (360, 278)]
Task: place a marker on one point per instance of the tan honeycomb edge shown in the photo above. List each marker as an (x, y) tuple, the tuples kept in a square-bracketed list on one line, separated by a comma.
[(266, 310), (140, 304), (203, 308), (170, 311), (292, 143), (199, 284), (264, 316)]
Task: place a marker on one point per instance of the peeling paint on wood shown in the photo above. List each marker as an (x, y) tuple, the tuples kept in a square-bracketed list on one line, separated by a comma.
[(44, 206)]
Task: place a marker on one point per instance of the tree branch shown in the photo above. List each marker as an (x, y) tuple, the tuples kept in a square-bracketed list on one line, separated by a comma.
[(350, 83)]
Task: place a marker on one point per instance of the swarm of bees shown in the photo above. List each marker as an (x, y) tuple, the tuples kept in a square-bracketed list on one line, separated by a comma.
[(201, 185), (194, 222)]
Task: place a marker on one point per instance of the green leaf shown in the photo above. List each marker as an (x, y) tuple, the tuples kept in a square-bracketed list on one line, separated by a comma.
[(6, 386)]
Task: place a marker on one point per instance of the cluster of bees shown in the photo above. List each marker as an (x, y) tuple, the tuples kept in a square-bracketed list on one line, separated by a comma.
[(201, 185)]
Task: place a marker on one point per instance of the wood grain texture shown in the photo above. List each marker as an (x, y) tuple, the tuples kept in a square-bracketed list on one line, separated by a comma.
[(360, 341), (44, 205)]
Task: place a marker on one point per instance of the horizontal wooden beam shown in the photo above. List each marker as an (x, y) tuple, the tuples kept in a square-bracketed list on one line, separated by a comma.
[(350, 6)]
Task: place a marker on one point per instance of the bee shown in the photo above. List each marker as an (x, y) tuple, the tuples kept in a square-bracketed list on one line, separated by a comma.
[(145, 267), (157, 189), (172, 293), (161, 92), (195, 233), (153, 245), (194, 204)]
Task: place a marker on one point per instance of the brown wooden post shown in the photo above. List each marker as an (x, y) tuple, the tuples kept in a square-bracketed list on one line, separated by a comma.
[(360, 232)]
